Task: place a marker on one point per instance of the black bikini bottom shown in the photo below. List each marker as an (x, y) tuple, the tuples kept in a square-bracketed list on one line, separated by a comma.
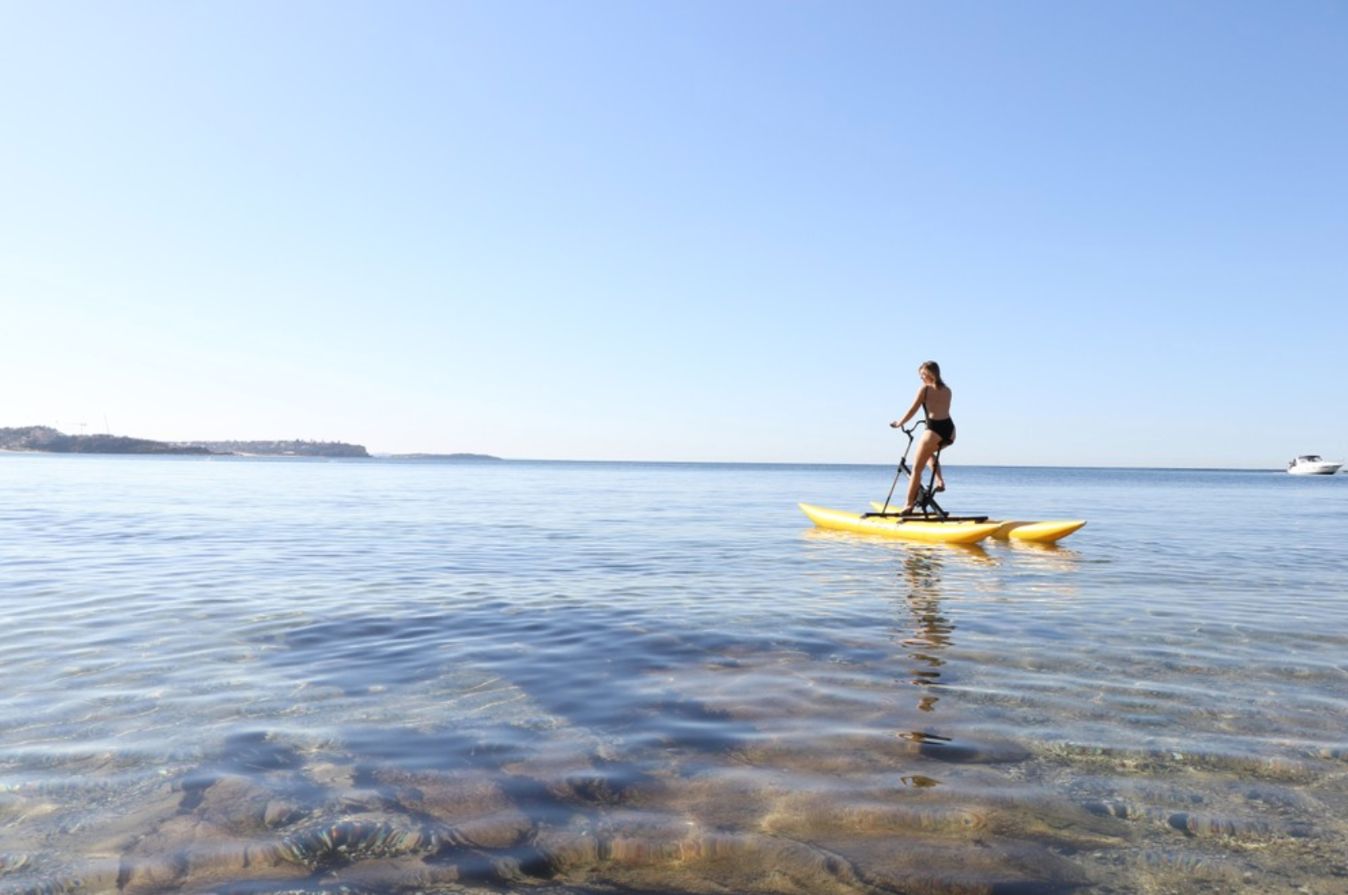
[(945, 429)]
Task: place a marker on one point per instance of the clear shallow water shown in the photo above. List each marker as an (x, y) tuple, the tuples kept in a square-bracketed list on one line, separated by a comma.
[(263, 676)]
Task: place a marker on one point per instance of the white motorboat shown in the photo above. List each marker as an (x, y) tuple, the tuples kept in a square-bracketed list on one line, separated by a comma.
[(1312, 464)]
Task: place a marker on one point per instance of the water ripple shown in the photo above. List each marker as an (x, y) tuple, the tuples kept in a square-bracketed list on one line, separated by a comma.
[(585, 677)]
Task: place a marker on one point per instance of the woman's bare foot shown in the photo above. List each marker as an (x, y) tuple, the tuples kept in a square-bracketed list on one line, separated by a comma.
[(906, 510), (940, 486)]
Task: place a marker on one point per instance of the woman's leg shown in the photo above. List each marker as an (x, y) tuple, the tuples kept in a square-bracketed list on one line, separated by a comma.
[(936, 463), (928, 446)]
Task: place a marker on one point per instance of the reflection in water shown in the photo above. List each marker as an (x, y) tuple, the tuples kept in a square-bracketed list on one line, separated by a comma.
[(922, 569), (1048, 557)]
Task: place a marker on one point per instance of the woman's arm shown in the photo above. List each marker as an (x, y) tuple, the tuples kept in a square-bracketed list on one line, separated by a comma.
[(917, 402)]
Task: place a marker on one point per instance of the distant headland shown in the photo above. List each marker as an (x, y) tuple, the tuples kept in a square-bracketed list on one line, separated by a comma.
[(45, 439), (461, 458), (49, 440)]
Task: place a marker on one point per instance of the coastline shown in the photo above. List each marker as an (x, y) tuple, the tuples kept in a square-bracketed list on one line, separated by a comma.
[(488, 460)]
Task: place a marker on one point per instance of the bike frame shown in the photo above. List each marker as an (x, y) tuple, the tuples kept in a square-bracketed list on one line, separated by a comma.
[(926, 494), (926, 499)]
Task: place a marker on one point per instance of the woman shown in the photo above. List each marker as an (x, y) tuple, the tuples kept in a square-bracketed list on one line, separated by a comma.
[(934, 399)]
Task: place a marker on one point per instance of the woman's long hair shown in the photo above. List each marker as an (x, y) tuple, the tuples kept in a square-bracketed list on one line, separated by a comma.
[(934, 368)]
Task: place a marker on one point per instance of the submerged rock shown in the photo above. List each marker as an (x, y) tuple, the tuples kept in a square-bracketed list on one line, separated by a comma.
[(472, 809), (234, 803), (811, 816), (696, 861), (280, 813), (349, 840)]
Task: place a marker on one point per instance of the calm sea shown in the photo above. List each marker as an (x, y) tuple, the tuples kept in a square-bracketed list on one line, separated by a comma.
[(250, 675)]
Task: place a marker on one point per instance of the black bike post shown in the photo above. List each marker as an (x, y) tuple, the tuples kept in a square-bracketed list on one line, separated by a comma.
[(903, 465)]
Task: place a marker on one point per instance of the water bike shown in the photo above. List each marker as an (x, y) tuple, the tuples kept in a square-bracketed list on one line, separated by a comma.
[(929, 522)]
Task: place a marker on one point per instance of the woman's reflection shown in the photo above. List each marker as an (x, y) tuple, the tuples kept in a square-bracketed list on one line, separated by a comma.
[(932, 630)]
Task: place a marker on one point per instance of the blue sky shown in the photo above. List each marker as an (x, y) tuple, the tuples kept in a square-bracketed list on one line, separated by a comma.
[(683, 231)]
